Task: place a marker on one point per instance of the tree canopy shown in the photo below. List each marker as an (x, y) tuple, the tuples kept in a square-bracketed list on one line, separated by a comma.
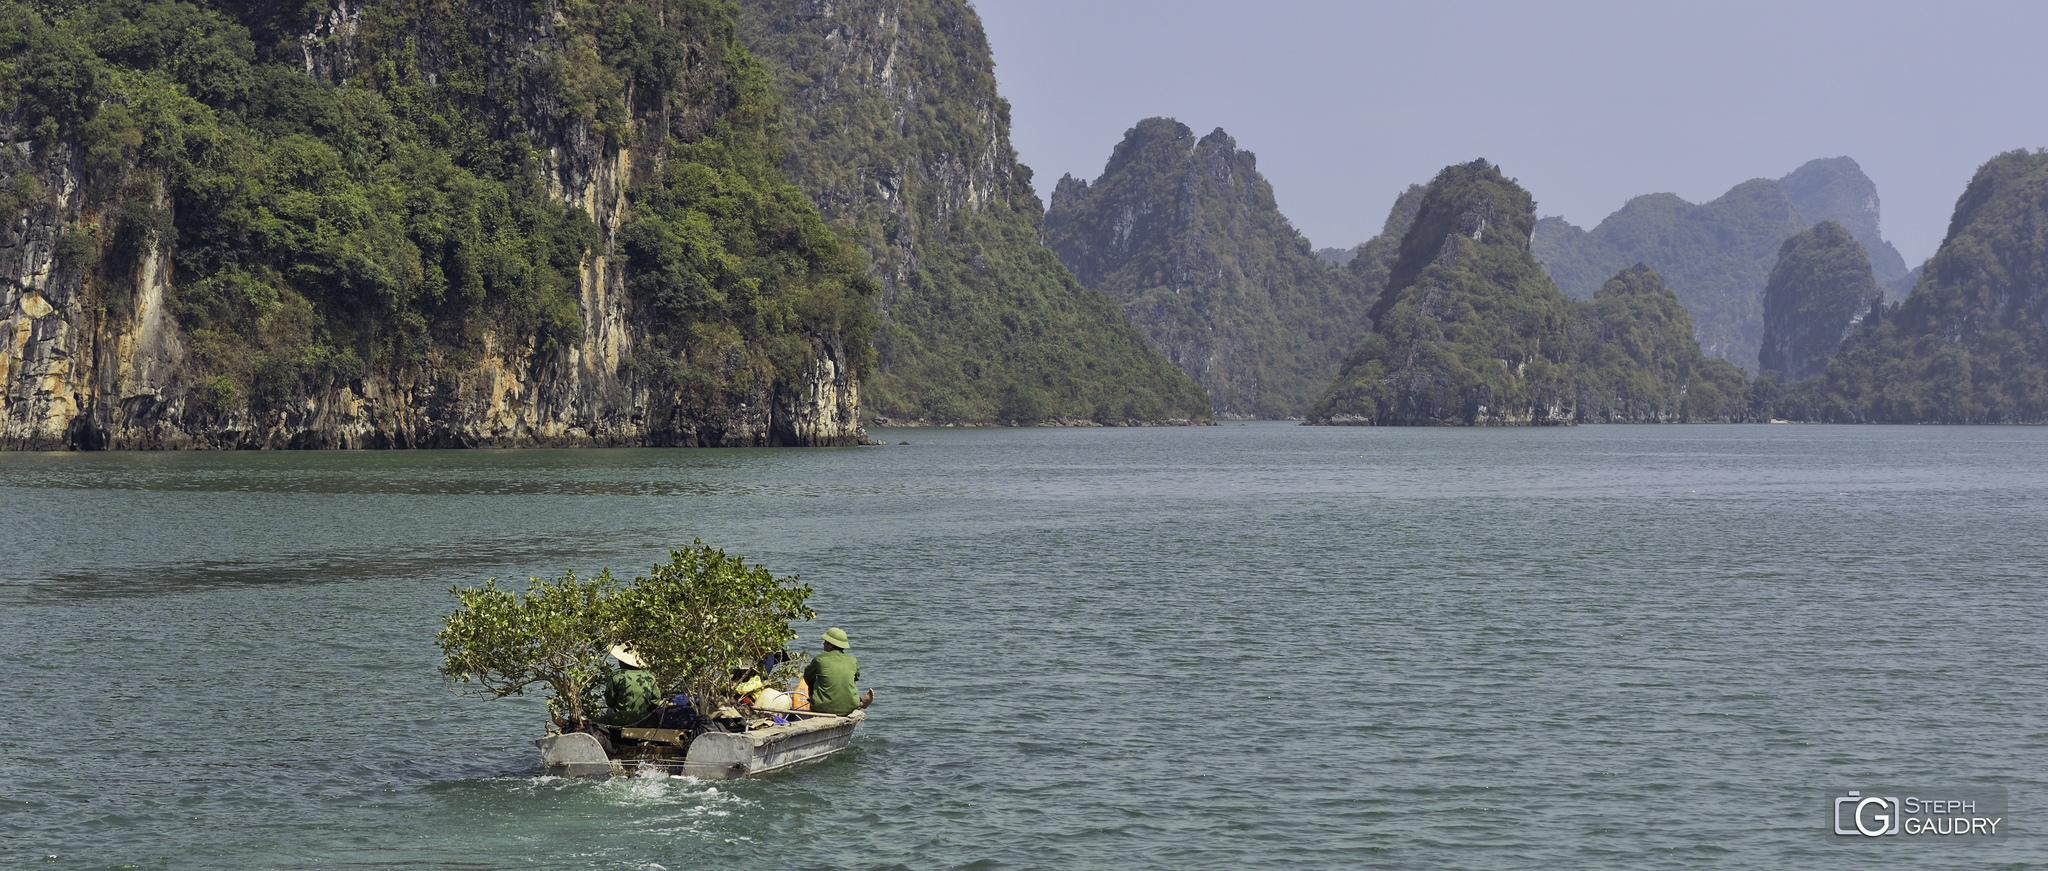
[(692, 619), (1821, 286), (1634, 358), (359, 203), (1471, 330), (1968, 345)]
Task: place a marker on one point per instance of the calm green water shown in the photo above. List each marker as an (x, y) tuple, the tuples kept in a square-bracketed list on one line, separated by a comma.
[(1239, 646)]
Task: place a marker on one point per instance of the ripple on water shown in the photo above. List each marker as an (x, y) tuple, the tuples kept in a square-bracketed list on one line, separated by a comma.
[(1204, 648)]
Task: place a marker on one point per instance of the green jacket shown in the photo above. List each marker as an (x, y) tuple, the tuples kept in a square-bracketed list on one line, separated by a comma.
[(629, 698), (832, 675)]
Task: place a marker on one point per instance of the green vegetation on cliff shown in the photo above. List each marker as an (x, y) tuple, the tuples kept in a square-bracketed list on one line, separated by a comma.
[(1717, 256), (1820, 288), (896, 131), (1471, 330), (397, 206), (1835, 189), (1372, 262), (1635, 360), (1184, 233), (1969, 344)]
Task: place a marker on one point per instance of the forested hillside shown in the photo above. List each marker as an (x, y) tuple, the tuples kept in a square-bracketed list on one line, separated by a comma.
[(1835, 189), (1634, 358), (1183, 232), (1717, 256), (1820, 289), (1471, 330), (1969, 345), (895, 129), (409, 223), (1372, 262)]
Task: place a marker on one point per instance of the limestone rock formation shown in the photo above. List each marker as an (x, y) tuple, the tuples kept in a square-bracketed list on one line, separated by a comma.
[(217, 251), (1835, 189), (1970, 344), (1184, 233), (1471, 330), (895, 129), (1715, 256), (1372, 262), (1635, 360), (1820, 290), (1718, 255)]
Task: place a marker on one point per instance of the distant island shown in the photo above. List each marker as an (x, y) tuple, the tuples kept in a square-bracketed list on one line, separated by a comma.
[(1182, 231), (260, 226), (1472, 333), (772, 223)]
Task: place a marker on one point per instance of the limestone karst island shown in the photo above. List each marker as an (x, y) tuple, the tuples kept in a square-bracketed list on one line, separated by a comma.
[(698, 223)]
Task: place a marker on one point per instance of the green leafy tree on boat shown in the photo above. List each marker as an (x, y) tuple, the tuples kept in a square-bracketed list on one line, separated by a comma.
[(693, 620)]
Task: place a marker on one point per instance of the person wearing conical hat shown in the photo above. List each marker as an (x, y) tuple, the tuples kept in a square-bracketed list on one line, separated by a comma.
[(630, 696), (832, 676)]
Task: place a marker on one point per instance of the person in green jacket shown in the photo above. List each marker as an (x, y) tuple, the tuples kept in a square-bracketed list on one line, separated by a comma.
[(832, 675), (630, 697)]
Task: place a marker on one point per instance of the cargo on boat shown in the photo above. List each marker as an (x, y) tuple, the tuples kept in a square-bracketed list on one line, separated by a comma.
[(760, 749)]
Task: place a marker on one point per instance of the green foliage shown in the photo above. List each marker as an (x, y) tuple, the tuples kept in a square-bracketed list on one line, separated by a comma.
[(918, 171), (719, 236), (56, 82), (22, 191), (1716, 256), (704, 614), (215, 396), (973, 326), (273, 181), (319, 230), (1186, 236), (1374, 264), (554, 636), (692, 619), (650, 55), (1473, 332), (1820, 288), (78, 248), (1634, 358), (1835, 189), (1969, 344)]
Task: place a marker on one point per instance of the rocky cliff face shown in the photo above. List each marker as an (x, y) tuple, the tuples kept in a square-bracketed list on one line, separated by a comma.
[(1718, 255), (1635, 360), (1835, 189), (897, 132), (1970, 344), (1715, 256), (1184, 233), (96, 291), (882, 64), (1471, 331), (1372, 262), (1818, 292)]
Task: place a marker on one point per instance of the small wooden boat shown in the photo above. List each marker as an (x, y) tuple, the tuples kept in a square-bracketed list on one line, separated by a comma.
[(711, 756)]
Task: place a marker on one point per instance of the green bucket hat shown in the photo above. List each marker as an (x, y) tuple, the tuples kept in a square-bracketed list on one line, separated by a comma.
[(836, 637)]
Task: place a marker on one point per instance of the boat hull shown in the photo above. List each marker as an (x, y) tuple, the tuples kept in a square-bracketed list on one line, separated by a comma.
[(711, 756), (732, 755)]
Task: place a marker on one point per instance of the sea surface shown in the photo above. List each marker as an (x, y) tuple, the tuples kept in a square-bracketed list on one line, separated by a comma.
[(1243, 646)]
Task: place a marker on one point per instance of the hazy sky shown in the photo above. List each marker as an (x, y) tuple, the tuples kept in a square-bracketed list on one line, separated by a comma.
[(1586, 103)]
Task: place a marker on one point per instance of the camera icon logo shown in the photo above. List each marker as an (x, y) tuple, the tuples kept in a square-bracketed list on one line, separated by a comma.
[(1871, 816)]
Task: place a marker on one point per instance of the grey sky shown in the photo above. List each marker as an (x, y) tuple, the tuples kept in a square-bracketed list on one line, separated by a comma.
[(1587, 103)]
